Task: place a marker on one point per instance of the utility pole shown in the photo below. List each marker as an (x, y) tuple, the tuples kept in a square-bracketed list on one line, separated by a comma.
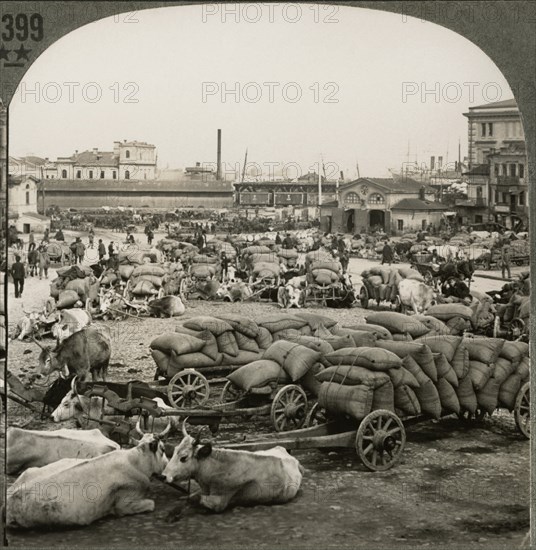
[(244, 168)]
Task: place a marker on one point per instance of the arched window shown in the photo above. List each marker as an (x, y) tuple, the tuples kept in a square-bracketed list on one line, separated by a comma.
[(127, 175), (127, 154), (64, 174), (351, 198), (376, 198)]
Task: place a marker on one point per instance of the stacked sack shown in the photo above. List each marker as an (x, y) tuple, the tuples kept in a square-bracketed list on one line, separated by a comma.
[(382, 281), (457, 317), (204, 266), (288, 257), (146, 279), (74, 286), (322, 268), (261, 262)]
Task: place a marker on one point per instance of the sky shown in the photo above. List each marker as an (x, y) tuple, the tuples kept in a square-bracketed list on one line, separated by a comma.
[(295, 85)]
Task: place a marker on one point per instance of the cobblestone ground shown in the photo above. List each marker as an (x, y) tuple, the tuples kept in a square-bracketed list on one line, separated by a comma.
[(458, 485)]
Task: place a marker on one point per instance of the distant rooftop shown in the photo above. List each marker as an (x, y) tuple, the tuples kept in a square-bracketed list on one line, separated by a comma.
[(505, 104)]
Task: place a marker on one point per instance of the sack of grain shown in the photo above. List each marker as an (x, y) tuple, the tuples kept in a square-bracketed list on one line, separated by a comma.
[(204, 259), (245, 342), (428, 397), (503, 369), (294, 358), (306, 331), (523, 369), (67, 298), (447, 397), (457, 326), (480, 373), (256, 249), (340, 342), (384, 397), (447, 345), (511, 352), (375, 280), (289, 334), (144, 288), (324, 276), (355, 401), (332, 265), (360, 338), (406, 401), (243, 358), (445, 312), (288, 253), (264, 338), (148, 269), (487, 397), (203, 322), (179, 343), (314, 343), (281, 321), (420, 352), (309, 381), (402, 377), (444, 369), (162, 361), (397, 323), (410, 273), (211, 345), (413, 367), (315, 319), (353, 376), (460, 361), (258, 374), (202, 271), (466, 395), (227, 343), (125, 271), (381, 333), (386, 274), (153, 279), (370, 358), (508, 391), (402, 337), (196, 360), (523, 347), (485, 350)]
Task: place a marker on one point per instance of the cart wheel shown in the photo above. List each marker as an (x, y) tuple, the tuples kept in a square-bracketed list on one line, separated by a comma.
[(522, 410), (289, 408), (187, 389), (316, 416), (364, 297), (517, 327), (380, 440), (231, 393)]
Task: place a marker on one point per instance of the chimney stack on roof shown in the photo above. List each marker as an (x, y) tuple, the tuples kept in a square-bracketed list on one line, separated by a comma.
[(218, 162)]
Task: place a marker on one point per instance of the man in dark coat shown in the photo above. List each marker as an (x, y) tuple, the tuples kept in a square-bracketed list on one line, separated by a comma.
[(18, 274), (387, 253)]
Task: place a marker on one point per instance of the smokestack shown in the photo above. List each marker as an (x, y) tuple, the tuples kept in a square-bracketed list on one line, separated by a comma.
[(439, 162), (218, 168), (432, 163)]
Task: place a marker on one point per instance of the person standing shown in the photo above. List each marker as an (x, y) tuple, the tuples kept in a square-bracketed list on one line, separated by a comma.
[(31, 241), (32, 262), (150, 237), (59, 235), (80, 250), (102, 250), (278, 238), (111, 249), (344, 259), (387, 253), (505, 260), (91, 237), (224, 267), (44, 262), (18, 274)]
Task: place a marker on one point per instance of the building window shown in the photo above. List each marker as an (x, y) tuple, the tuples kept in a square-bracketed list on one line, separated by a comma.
[(91, 174), (483, 129), (521, 170), (423, 225), (522, 198), (78, 174), (496, 169), (496, 196), (64, 174), (504, 171), (352, 198), (102, 174), (479, 192), (512, 169), (127, 154), (127, 175), (27, 197), (505, 197), (490, 129), (400, 225), (376, 198), (114, 174)]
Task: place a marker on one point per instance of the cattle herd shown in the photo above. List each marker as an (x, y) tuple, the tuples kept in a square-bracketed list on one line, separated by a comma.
[(292, 270)]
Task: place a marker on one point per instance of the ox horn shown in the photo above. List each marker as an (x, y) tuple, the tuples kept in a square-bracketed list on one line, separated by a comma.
[(38, 343), (73, 386), (184, 432), (138, 427), (165, 431)]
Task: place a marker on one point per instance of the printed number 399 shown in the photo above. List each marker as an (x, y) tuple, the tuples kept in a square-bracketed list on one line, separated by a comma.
[(22, 27)]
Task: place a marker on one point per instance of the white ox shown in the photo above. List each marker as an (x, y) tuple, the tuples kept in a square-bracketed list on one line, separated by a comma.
[(70, 321), (86, 490), (235, 477), (290, 296), (416, 295), (32, 448)]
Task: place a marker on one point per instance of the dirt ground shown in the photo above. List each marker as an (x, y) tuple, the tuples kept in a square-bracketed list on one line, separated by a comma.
[(458, 484)]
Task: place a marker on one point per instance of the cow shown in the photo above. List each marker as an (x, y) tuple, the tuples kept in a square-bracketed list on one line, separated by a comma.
[(289, 296), (112, 484), (168, 306), (70, 321), (32, 448), (87, 350), (416, 295), (27, 325), (229, 477)]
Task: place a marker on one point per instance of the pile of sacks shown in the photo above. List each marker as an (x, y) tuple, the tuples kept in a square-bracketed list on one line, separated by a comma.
[(261, 262), (322, 268), (458, 317), (179, 250), (74, 286), (204, 266), (288, 257), (382, 281)]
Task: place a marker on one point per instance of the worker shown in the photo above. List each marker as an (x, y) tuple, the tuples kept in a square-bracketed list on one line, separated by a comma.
[(505, 260)]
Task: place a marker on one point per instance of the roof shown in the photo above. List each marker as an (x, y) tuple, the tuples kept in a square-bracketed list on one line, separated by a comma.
[(418, 204), (478, 170), (399, 184), (34, 215), (506, 103), (137, 186), (136, 144), (100, 158), (17, 180)]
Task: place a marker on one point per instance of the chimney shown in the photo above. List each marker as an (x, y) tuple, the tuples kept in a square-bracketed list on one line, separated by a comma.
[(116, 148), (218, 162), (439, 162), (432, 163)]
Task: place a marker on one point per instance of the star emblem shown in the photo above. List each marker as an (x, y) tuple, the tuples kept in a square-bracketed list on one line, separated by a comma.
[(4, 53), (22, 53)]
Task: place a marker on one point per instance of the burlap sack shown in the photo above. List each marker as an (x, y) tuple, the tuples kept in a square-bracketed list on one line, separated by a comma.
[(258, 374)]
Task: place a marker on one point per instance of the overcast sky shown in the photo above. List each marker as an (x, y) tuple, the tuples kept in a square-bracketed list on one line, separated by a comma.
[(352, 74)]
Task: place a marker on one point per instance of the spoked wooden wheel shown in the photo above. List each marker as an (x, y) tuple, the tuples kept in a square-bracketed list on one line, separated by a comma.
[(517, 327), (316, 416), (188, 389), (231, 393), (289, 408), (364, 297), (380, 440), (522, 410)]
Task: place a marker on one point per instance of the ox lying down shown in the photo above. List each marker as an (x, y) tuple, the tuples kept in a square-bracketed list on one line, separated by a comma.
[(87, 490), (229, 477)]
